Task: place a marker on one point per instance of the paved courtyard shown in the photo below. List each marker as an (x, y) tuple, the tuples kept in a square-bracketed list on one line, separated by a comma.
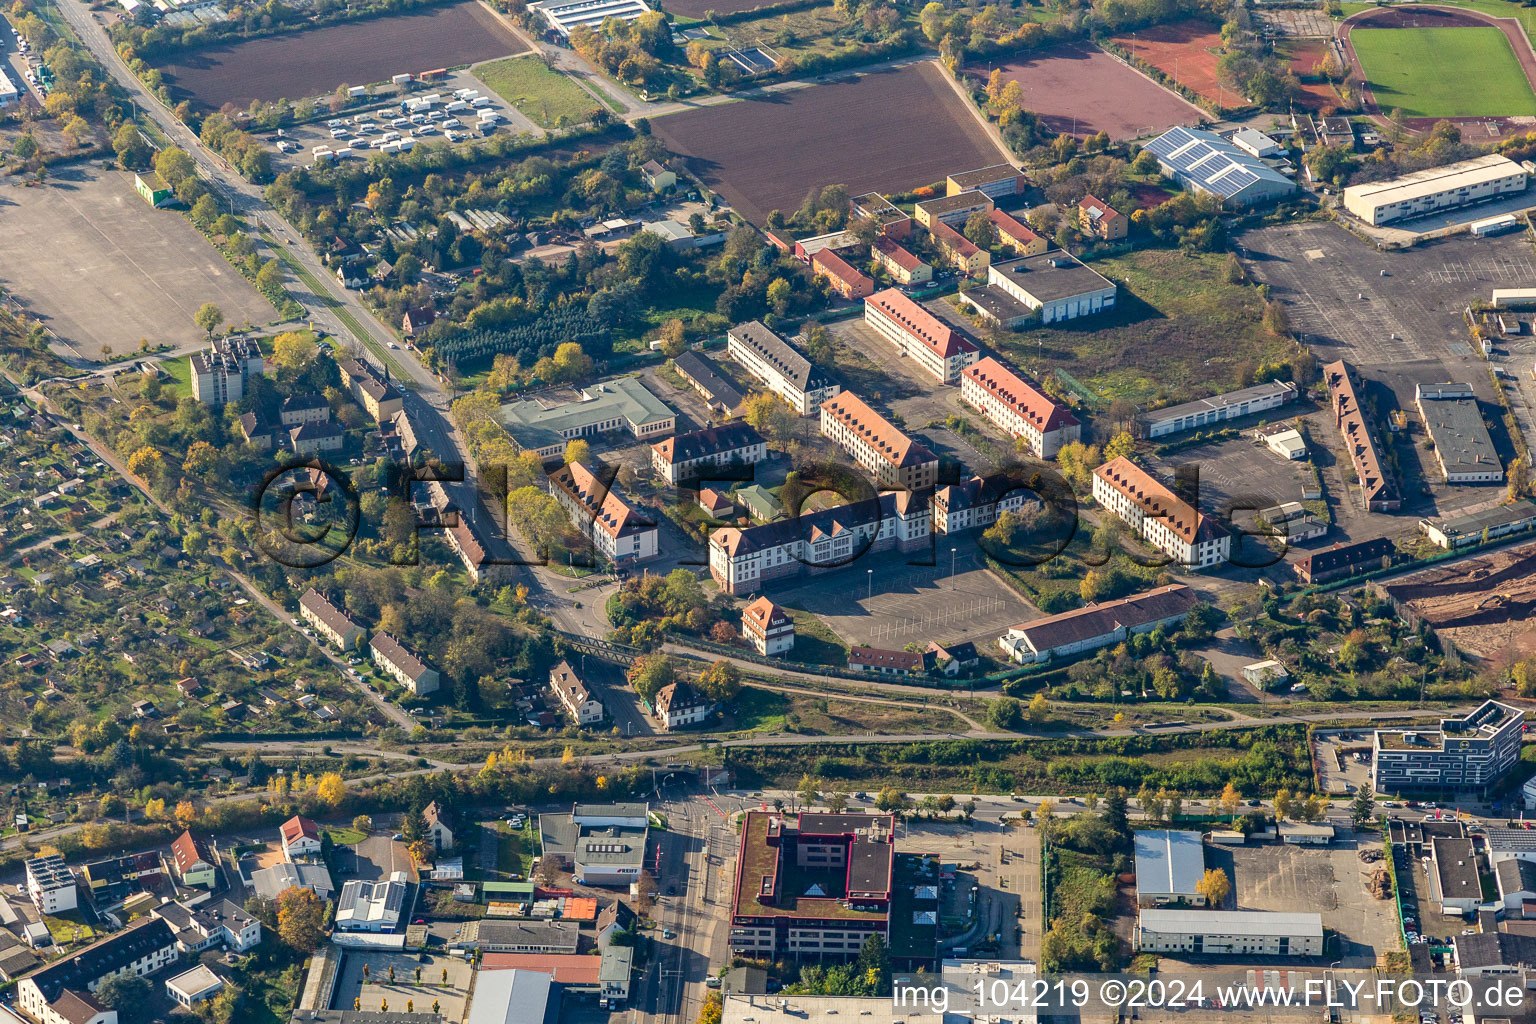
[(1326, 880), (104, 269), (893, 602), (371, 994)]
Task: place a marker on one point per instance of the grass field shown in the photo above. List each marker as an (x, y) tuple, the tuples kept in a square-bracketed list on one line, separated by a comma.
[(543, 95), (1425, 71)]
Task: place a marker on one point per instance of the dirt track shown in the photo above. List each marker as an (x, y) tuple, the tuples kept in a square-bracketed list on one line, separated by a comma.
[(1481, 604)]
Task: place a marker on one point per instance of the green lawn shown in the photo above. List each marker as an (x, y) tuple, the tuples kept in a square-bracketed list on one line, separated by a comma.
[(1443, 72), (543, 95), (345, 836), (180, 370)]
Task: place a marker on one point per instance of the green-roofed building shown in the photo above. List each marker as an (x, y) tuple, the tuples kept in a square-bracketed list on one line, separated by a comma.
[(760, 502), (544, 427)]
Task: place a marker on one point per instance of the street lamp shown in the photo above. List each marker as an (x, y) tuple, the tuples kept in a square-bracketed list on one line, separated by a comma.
[(951, 563), (869, 574)]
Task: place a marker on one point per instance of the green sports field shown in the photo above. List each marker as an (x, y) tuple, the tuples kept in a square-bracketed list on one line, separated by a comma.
[(1443, 72)]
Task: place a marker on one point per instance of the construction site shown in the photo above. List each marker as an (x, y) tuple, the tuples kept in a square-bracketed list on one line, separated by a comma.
[(1482, 605)]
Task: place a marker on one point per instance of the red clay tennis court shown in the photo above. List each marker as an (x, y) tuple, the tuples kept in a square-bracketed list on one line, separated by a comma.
[(1185, 52)]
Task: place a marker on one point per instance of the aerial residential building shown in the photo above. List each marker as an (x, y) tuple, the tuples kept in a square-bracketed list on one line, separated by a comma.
[(1481, 527), (996, 182), (544, 427), (1253, 933), (976, 502), (1019, 408), (692, 456), (62, 992), (1466, 754), (300, 839), (371, 906), (1456, 428), (329, 621), (951, 209), (442, 825), (779, 367), (816, 886), (805, 249), (209, 924), (1169, 866), (1098, 219), (1378, 490), (1419, 193), (1205, 412), (403, 666), (271, 882), (1159, 516), (618, 531), (51, 885), (194, 864), (1056, 286), (602, 844), (221, 373), (657, 176), (115, 880), (486, 555), (920, 335), (845, 279), (314, 438), (892, 222), (885, 453), (968, 258), (742, 560), (678, 706), (1017, 236), (881, 662), (298, 410), (899, 262), (1097, 625), (574, 695), (1344, 560), (767, 627), (380, 398), (721, 395), (1205, 162)]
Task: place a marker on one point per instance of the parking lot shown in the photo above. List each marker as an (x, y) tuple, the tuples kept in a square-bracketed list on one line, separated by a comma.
[(1397, 316), (365, 129), (895, 602), (1339, 770), (374, 858), (1328, 880), (102, 268), (1004, 863), (371, 993)]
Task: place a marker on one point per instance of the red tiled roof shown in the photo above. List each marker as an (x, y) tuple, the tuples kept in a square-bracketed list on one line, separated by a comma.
[(833, 265), (762, 613), (1014, 229), (920, 324), (189, 851), (897, 254), (298, 827), (566, 969), (874, 657), (954, 239), (1019, 395), (1105, 212), (895, 447), (1350, 421), (610, 512), (1155, 500)]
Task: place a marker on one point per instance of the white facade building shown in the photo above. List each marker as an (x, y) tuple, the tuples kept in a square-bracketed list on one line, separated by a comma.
[(919, 335), (1159, 516), (1019, 407), (618, 531), (51, 884), (1435, 188), (1205, 412), (779, 367), (1230, 932)]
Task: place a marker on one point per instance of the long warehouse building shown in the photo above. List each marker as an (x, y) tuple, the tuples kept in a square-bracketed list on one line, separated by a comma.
[(1435, 188)]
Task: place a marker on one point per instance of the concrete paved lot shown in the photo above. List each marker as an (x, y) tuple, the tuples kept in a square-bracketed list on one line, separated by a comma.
[(911, 602), (374, 858), (452, 997), (1007, 874), (103, 268), (1398, 317), (1326, 880), (1338, 770)]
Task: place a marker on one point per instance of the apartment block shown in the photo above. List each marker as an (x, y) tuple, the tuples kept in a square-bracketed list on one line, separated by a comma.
[(885, 453)]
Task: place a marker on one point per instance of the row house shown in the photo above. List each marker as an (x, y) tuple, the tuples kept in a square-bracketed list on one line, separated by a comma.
[(899, 262), (845, 279), (780, 367), (574, 695)]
